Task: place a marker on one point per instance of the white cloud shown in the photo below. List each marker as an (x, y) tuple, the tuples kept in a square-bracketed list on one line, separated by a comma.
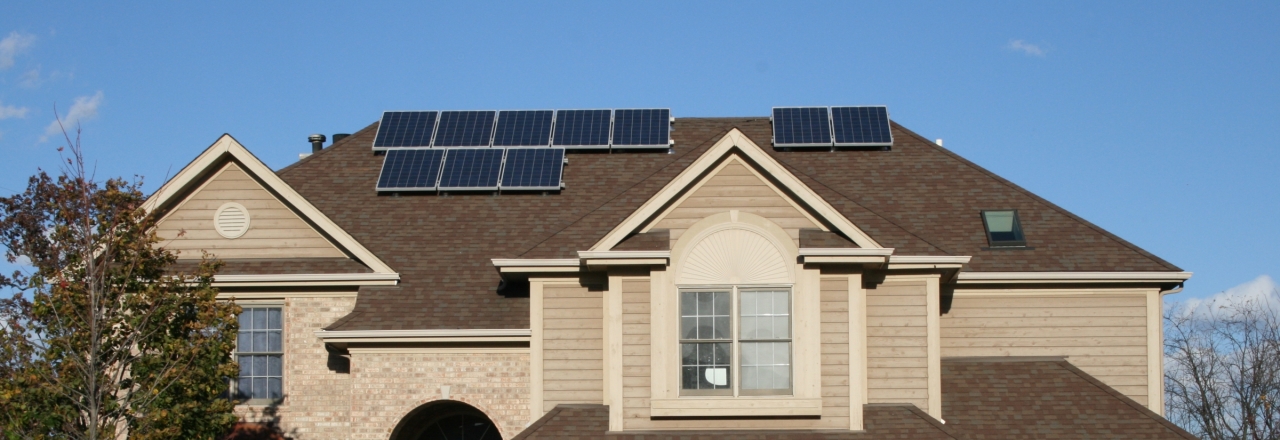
[(12, 45), (1261, 292), (9, 111), (31, 79), (1026, 48), (83, 109)]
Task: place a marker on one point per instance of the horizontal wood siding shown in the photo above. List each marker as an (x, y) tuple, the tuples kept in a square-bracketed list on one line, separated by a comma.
[(1104, 335), (835, 352), (572, 347), (274, 230), (897, 344), (734, 187)]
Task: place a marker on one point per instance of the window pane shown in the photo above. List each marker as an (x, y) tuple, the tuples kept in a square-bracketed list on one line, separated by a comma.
[(721, 328), (274, 388), (765, 315), (246, 367), (688, 328), (259, 342), (244, 388), (259, 388), (259, 365), (721, 300), (274, 366), (273, 341), (688, 303), (999, 221), (769, 364), (704, 304), (244, 343), (705, 366), (259, 319), (244, 319), (273, 319)]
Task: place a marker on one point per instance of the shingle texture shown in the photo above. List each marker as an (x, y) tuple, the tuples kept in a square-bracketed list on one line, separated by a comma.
[(883, 422), (1008, 398), (917, 197), (1000, 399), (280, 266)]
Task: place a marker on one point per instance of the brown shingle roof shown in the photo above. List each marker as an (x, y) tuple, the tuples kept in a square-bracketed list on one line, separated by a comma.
[(1042, 399), (883, 422), (918, 198), (1003, 398)]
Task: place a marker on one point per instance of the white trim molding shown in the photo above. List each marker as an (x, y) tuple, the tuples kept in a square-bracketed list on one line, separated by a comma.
[(845, 255), (438, 335), (308, 279), (1072, 277), (622, 255)]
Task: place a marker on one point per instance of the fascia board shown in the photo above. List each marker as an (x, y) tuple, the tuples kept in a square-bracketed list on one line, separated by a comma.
[(427, 334), (623, 255), (549, 262), (930, 259), (1071, 277), (846, 252)]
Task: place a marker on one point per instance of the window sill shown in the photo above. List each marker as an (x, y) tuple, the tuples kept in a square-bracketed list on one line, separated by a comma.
[(734, 407)]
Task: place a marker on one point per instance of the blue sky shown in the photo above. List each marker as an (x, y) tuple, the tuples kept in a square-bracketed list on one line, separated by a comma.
[(1157, 121)]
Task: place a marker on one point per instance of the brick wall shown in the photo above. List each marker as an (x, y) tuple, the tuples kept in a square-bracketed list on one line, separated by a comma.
[(387, 386)]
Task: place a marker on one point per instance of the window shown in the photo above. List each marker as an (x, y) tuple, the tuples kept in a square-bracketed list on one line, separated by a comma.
[(1003, 228), (735, 342), (260, 354)]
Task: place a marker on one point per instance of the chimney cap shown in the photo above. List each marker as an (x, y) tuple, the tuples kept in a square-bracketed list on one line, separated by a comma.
[(316, 138)]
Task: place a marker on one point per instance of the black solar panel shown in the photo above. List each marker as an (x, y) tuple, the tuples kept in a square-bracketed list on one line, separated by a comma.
[(465, 129), (642, 128), (405, 129), (533, 168), (861, 126), (410, 169), (523, 128), (801, 127), (582, 128), (471, 169)]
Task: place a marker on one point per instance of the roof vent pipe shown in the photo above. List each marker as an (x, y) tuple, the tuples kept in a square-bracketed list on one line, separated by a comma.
[(340, 136), (317, 142), (938, 141)]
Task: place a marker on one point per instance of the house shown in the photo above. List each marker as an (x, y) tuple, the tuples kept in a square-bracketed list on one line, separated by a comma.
[(738, 281)]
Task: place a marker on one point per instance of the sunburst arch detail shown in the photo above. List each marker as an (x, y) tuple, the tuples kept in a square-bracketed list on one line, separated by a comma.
[(735, 256)]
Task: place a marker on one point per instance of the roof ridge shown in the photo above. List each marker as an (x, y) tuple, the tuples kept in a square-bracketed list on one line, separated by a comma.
[(1037, 198)]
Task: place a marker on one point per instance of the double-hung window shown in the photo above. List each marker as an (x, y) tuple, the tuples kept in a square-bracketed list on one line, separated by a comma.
[(260, 353), (735, 342)]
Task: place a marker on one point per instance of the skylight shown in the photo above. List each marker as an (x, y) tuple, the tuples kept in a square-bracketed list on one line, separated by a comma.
[(1003, 228)]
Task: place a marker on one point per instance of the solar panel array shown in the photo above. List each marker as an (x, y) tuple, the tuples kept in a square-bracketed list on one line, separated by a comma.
[(572, 129), (472, 169), (865, 126)]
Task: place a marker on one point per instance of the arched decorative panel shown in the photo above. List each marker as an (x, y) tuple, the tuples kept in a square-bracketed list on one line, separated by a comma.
[(735, 256)]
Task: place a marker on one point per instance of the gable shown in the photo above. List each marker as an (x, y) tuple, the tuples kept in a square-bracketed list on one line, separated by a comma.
[(735, 169), (274, 231), (734, 185)]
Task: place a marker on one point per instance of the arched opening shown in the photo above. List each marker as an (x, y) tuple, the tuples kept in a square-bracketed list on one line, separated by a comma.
[(446, 420)]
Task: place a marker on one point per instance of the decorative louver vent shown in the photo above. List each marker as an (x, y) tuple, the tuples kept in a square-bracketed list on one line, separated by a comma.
[(231, 220)]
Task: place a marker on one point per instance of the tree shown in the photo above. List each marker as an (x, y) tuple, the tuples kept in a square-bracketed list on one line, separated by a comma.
[(101, 338), (1222, 369)]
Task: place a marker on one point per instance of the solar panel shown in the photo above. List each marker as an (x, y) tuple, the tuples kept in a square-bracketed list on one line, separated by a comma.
[(471, 169), (521, 128), (801, 127), (582, 128), (410, 169), (533, 169), (642, 128), (405, 129), (861, 126), (465, 129)]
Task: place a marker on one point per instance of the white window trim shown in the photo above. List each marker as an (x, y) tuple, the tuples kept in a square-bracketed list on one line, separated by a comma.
[(235, 353), (736, 341)]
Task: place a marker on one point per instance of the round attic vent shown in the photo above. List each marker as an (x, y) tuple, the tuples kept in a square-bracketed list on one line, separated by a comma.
[(231, 220)]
